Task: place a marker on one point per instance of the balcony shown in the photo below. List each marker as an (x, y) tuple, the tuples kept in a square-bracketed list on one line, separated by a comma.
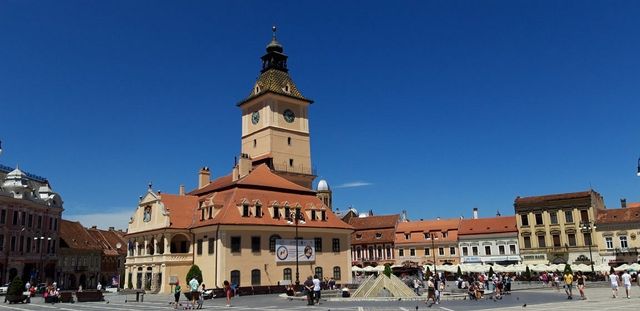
[(161, 258), (296, 169)]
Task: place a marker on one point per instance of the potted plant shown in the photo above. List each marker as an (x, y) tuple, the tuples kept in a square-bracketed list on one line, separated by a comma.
[(15, 293)]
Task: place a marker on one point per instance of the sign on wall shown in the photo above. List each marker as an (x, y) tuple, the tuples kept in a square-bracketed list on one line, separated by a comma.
[(286, 250)]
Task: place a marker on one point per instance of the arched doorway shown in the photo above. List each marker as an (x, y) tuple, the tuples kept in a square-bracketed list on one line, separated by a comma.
[(83, 281), (179, 244)]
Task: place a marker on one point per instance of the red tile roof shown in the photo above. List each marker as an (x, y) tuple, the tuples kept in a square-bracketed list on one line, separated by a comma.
[(416, 230), (619, 215), (369, 236), (181, 208), (76, 236), (501, 224), (374, 222), (108, 240), (553, 197)]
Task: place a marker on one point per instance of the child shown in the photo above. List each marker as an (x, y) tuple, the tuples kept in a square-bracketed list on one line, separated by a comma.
[(176, 294), (201, 297), (228, 292)]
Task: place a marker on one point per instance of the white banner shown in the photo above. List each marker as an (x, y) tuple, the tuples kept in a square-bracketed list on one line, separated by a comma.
[(286, 250)]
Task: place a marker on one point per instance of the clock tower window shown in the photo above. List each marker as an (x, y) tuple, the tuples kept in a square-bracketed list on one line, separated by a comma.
[(290, 162), (289, 141), (255, 143)]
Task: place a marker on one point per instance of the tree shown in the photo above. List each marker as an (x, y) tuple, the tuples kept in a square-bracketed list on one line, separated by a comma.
[(387, 270), (428, 273), (16, 287), (491, 273), (567, 269), (194, 271), (459, 272), (527, 273)]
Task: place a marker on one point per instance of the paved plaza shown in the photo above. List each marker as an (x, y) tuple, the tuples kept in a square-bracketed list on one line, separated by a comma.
[(535, 299)]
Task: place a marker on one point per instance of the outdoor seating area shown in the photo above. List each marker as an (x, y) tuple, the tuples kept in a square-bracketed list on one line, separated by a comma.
[(89, 295)]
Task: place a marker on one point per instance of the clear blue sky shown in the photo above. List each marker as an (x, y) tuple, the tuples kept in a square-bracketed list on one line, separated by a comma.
[(437, 106)]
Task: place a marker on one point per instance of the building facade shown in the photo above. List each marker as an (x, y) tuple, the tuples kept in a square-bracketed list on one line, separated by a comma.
[(79, 257), (114, 253), (372, 242), (489, 240), (550, 227), (618, 233), (243, 227), (29, 217), (428, 241)]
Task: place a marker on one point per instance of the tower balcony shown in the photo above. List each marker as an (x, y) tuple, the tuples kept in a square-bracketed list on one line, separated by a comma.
[(295, 169)]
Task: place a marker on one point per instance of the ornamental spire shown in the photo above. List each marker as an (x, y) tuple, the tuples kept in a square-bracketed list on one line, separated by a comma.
[(275, 57)]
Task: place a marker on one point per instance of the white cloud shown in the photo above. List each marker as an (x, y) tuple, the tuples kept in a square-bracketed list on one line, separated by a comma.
[(354, 184), (118, 220)]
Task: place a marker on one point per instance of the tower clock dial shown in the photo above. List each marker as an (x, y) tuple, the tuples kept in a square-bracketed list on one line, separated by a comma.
[(289, 116), (255, 117)]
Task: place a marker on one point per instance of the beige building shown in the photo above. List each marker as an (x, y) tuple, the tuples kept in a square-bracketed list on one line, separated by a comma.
[(426, 241), (241, 227), (550, 227), (618, 233)]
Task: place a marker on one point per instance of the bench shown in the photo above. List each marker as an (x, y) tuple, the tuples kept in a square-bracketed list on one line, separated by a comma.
[(89, 295), (138, 292), (66, 296)]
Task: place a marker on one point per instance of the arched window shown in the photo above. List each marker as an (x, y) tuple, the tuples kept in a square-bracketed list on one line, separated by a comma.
[(286, 274), (337, 275), (255, 277), (272, 242), (235, 277), (318, 272)]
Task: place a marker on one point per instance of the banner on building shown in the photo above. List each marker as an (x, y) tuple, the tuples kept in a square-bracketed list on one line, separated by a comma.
[(286, 250)]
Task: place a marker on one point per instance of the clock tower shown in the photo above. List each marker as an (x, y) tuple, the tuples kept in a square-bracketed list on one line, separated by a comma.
[(275, 124)]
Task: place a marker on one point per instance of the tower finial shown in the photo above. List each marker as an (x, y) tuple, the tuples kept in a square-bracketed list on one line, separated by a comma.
[(274, 29)]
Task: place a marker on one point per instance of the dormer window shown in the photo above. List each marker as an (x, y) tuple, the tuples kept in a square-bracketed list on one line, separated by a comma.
[(378, 235), (407, 236), (245, 210), (287, 212), (287, 88), (313, 215), (257, 89), (427, 236), (202, 214), (323, 215), (210, 212), (258, 210), (276, 212), (446, 234), (358, 236)]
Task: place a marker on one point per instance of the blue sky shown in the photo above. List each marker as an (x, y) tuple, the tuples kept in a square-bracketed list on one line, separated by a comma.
[(435, 107)]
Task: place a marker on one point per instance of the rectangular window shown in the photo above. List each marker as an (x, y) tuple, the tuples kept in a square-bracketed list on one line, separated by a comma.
[(39, 222), (427, 252), (335, 245), (199, 247), (568, 216), (556, 240), (452, 251), (23, 219), (584, 215), (323, 214), (401, 252), (609, 241), (14, 221), (255, 244), (554, 218), (541, 242), (258, 211), (412, 252), (287, 213), (1, 242), (474, 250), (13, 244), (501, 250), (623, 242), (527, 242), (202, 214), (313, 215), (30, 221), (318, 244), (587, 239), (55, 224), (210, 245), (441, 251), (487, 250), (28, 250), (465, 251), (210, 212), (3, 216), (235, 244), (539, 219), (276, 212), (512, 249), (245, 210), (407, 236), (572, 239), (337, 275), (525, 219)]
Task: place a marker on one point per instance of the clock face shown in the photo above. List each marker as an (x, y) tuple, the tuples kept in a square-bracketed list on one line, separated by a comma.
[(255, 117), (289, 116)]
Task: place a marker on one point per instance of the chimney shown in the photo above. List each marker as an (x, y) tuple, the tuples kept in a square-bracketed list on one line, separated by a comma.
[(181, 190), (111, 228), (438, 218), (94, 227), (623, 203), (498, 213), (244, 165), (204, 177), (475, 213), (403, 217)]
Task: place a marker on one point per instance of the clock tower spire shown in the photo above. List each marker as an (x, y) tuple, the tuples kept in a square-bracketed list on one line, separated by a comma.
[(275, 124)]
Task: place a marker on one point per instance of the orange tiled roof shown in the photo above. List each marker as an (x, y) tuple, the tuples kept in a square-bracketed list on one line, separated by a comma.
[(108, 240), (76, 236), (619, 215), (488, 225), (374, 222), (553, 197), (181, 208), (416, 230), (633, 204), (222, 182), (369, 236)]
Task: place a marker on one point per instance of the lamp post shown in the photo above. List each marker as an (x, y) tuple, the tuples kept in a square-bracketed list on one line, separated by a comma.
[(295, 219), (587, 227), (433, 247), (41, 271)]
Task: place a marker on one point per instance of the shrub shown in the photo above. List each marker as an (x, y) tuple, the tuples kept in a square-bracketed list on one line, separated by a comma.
[(387, 270), (567, 269), (527, 274), (16, 287), (459, 272), (194, 271), (491, 273), (428, 273)]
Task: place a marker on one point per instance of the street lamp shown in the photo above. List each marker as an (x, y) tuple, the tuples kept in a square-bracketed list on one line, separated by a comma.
[(587, 227), (295, 218), (433, 248), (41, 271)]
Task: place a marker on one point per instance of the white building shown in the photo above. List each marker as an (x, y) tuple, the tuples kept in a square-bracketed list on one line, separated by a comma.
[(489, 240)]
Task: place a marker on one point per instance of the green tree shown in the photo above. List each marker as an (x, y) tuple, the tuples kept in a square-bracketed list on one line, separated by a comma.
[(527, 274), (194, 271), (491, 273), (567, 269), (16, 287), (459, 272), (428, 273), (387, 270)]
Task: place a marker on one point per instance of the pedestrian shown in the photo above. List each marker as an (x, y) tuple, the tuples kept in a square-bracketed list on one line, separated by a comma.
[(308, 289), (193, 286), (201, 296), (228, 292), (581, 281), (316, 289), (176, 294), (99, 287), (568, 284), (431, 290), (613, 278), (626, 281), (416, 286)]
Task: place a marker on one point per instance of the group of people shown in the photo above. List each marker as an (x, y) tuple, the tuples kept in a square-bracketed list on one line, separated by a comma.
[(312, 287), (623, 279), (476, 285), (197, 294)]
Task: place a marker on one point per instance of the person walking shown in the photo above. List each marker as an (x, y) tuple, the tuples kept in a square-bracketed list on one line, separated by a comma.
[(615, 280), (200, 296), (416, 286), (316, 289), (568, 284), (193, 286), (626, 281), (308, 288), (581, 279), (431, 290), (176, 295), (228, 292)]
